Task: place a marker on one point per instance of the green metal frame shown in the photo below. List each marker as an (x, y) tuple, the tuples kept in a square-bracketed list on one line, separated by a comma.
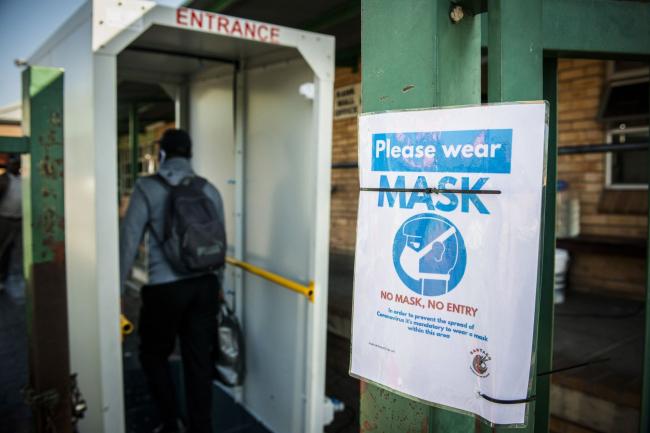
[(413, 57), (546, 318), (644, 424), (515, 73), (44, 244), (592, 28), (424, 60), (14, 144)]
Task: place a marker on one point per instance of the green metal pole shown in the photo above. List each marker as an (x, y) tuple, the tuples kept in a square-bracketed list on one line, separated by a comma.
[(413, 56), (546, 305), (44, 250), (515, 73), (645, 393), (134, 145)]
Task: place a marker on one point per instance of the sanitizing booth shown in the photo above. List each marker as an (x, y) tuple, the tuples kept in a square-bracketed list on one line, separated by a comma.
[(257, 100)]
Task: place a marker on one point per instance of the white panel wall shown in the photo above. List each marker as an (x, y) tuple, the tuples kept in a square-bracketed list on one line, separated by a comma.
[(211, 125), (279, 215), (279, 208), (213, 138)]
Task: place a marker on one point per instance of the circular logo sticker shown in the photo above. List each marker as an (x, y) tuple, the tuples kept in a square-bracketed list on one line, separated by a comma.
[(429, 254)]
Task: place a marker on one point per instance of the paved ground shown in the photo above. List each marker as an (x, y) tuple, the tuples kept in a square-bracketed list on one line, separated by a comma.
[(339, 384), (608, 330), (14, 414), (586, 328)]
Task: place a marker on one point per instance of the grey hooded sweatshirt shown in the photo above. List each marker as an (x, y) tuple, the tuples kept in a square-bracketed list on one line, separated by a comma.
[(146, 212)]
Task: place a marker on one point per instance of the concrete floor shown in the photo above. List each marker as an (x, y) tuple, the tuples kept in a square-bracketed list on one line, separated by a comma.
[(606, 395), (14, 414)]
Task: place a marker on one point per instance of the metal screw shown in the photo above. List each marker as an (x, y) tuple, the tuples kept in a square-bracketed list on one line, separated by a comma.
[(456, 13)]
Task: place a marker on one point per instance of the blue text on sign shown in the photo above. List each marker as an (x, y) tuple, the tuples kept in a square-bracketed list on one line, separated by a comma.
[(445, 202), (471, 151)]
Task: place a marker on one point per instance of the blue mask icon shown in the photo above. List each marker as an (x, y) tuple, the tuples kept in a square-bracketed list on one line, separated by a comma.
[(429, 254)]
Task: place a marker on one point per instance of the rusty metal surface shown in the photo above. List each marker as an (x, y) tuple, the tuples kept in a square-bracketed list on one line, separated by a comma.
[(382, 411), (44, 249)]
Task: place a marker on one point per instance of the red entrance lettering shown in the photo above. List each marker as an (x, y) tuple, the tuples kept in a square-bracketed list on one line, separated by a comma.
[(196, 19), (275, 34), (181, 17), (222, 24), (236, 28), (249, 30), (265, 29), (210, 19)]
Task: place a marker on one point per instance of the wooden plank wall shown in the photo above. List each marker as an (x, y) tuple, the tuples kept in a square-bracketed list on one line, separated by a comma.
[(345, 181)]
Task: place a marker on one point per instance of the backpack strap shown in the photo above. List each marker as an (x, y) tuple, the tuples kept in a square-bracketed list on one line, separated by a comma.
[(161, 180), (199, 181)]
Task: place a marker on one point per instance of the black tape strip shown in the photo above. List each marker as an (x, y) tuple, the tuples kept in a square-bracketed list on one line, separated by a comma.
[(571, 367), (499, 401), (546, 373), (434, 190)]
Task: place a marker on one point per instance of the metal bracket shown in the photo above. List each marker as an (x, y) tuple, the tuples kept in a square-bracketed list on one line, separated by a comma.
[(14, 144)]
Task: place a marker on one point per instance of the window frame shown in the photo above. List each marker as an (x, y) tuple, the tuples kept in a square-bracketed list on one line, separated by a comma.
[(630, 74), (609, 160)]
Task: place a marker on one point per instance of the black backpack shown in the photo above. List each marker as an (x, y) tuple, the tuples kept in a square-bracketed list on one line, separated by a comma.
[(194, 239)]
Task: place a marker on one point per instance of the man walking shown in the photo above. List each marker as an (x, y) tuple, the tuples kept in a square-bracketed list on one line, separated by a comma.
[(184, 217)]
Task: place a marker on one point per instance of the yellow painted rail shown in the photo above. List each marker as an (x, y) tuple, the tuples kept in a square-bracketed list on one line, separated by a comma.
[(125, 325), (307, 291)]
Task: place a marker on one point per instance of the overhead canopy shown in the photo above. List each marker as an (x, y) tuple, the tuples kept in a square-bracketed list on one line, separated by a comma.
[(181, 52)]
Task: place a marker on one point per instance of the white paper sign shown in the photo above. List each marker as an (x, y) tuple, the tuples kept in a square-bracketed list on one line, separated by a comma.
[(445, 283)]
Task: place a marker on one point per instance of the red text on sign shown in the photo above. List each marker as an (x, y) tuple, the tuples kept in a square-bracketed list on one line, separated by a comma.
[(227, 25)]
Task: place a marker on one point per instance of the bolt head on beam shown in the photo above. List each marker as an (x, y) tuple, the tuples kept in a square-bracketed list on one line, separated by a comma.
[(456, 13)]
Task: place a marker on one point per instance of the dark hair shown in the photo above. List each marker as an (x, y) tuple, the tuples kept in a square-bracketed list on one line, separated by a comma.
[(176, 142)]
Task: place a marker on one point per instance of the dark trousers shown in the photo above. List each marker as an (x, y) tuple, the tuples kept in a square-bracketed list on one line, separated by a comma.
[(186, 309)]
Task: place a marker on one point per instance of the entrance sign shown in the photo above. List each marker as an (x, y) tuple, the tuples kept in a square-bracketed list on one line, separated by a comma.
[(447, 255)]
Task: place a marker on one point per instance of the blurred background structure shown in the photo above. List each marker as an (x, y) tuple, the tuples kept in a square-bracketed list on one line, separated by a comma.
[(601, 222)]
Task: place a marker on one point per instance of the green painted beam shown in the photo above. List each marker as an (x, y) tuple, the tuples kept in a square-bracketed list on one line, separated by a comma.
[(14, 144), (514, 50), (411, 66), (593, 28), (547, 306), (44, 246), (644, 423), (413, 56), (515, 74), (596, 27)]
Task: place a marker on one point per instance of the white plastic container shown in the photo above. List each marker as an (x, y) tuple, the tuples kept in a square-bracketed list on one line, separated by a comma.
[(567, 212), (561, 270)]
